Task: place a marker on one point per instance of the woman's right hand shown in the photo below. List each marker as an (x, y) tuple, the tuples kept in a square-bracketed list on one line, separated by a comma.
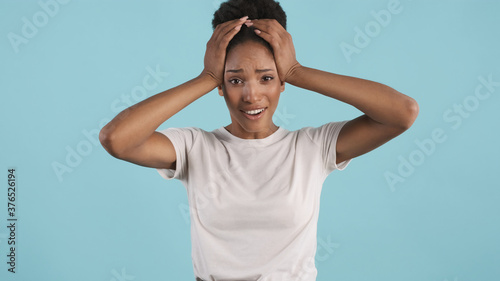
[(215, 55)]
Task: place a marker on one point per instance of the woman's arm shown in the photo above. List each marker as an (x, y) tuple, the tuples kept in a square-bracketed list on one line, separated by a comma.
[(388, 113), (131, 135)]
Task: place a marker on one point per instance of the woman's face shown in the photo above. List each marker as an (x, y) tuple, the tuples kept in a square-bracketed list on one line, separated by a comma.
[(251, 89)]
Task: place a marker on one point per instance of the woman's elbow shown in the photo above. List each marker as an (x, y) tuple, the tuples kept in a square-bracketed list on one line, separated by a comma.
[(108, 140), (410, 113)]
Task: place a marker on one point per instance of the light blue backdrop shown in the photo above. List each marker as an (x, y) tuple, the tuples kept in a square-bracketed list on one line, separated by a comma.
[(422, 207)]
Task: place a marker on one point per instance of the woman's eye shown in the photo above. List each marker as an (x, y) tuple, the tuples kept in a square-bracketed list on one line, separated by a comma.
[(267, 78), (235, 81)]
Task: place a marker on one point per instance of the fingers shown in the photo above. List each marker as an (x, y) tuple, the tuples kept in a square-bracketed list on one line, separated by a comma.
[(281, 42), (217, 45), (271, 31), (270, 26), (266, 36), (229, 28)]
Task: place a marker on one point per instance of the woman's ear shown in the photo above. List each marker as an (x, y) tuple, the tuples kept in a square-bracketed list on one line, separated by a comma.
[(221, 90), (282, 87)]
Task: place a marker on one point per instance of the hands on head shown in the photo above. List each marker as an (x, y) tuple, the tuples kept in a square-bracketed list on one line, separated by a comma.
[(282, 44), (268, 29)]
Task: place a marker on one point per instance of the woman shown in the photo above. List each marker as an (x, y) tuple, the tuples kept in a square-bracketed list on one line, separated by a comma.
[(253, 187)]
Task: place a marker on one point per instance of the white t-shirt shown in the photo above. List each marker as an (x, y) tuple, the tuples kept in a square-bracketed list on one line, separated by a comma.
[(254, 203)]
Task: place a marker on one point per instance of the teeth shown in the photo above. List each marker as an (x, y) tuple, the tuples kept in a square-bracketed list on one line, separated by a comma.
[(253, 112)]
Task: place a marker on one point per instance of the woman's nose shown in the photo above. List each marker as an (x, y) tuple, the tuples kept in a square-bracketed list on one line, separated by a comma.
[(251, 93)]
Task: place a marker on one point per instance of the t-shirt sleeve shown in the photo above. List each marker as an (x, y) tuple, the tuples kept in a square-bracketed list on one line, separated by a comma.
[(326, 137), (182, 140)]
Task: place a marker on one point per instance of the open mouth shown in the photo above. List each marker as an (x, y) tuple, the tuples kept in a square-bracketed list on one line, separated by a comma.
[(254, 114)]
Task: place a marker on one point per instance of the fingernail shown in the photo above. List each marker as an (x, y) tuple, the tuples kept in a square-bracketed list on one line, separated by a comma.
[(244, 18), (257, 31), (238, 27), (249, 23)]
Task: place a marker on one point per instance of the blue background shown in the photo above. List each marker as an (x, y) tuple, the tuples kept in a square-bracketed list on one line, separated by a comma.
[(422, 207)]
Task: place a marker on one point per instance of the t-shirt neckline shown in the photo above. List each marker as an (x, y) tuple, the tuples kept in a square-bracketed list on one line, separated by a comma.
[(272, 138)]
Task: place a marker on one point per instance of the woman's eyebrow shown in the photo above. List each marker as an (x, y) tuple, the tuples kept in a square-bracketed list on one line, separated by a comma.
[(241, 70)]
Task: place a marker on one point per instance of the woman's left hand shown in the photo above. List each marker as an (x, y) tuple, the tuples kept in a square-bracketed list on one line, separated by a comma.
[(282, 44)]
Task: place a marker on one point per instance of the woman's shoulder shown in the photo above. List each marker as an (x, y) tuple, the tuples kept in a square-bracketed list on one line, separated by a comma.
[(186, 132), (321, 131), (194, 130)]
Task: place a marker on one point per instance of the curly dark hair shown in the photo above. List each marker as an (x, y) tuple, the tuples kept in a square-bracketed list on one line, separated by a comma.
[(254, 9)]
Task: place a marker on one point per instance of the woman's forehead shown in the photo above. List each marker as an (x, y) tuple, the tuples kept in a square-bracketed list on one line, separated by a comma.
[(250, 55)]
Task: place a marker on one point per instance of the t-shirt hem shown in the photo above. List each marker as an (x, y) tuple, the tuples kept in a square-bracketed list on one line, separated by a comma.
[(169, 174), (342, 165)]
